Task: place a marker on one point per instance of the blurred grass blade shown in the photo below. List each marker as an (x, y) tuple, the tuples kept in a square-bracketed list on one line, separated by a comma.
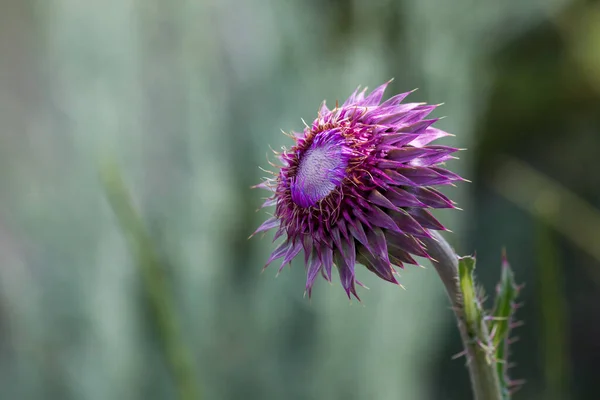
[(154, 283), (553, 319), (554, 204)]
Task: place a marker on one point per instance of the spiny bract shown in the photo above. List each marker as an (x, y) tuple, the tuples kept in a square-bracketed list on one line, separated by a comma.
[(357, 186)]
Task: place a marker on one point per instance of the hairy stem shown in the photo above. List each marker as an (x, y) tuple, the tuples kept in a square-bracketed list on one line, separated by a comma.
[(482, 370)]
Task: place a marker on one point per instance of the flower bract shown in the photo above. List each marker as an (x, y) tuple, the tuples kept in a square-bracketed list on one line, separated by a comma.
[(357, 187)]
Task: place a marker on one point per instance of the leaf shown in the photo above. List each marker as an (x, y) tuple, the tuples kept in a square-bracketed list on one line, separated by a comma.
[(472, 310), (501, 322)]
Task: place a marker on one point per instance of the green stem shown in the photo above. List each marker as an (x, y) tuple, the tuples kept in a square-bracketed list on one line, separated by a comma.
[(154, 283), (482, 370)]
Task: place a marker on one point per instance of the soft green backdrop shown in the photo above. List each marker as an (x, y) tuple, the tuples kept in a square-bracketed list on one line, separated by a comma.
[(187, 96)]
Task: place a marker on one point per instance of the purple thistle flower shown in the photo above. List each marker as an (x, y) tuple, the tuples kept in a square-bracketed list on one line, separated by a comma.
[(357, 187)]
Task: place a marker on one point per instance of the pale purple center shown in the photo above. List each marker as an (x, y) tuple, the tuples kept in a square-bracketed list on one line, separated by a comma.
[(322, 168)]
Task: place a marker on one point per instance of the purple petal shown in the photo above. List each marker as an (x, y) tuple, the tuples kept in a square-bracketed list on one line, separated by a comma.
[(406, 154), (450, 175), (381, 219), (438, 155), (280, 231), (379, 267), (346, 275), (361, 217), (264, 185), (373, 115), (342, 226), (407, 243), (348, 251), (432, 197), (359, 283), (291, 253), (375, 97), (399, 179), (423, 176), (426, 219), (395, 100), (337, 239), (360, 97), (345, 259), (327, 260), (419, 128), (408, 224), (400, 113), (269, 202), (397, 139), (429, 136), (400, 257), (325, 276), (431, 160), (356, 229), (268, 224), (312, 270), (377, 242), (401, 198), (279, 252), (417, 114), (299, 135), (307, 245), (323, 109), (351, 99), (377, 198)]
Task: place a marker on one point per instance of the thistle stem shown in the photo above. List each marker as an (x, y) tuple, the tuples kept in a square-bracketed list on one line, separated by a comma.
[(482, 370)]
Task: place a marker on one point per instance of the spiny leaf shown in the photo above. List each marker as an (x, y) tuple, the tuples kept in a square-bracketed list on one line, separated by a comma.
[(474, 315), (471, 305), (502, 321)]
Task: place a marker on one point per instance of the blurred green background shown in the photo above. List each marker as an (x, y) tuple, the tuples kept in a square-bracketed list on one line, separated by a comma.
[(184, 98)]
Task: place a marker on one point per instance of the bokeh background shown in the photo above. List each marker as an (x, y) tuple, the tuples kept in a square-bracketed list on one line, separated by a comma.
[(182, 99)]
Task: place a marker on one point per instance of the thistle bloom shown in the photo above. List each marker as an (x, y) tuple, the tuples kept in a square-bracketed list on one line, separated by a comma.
[(357, 187)]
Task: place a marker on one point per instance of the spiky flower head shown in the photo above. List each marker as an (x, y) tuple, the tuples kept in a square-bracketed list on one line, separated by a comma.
[(357, 186)]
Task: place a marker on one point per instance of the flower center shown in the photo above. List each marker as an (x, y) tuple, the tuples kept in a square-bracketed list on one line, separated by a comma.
[(321, 169)]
